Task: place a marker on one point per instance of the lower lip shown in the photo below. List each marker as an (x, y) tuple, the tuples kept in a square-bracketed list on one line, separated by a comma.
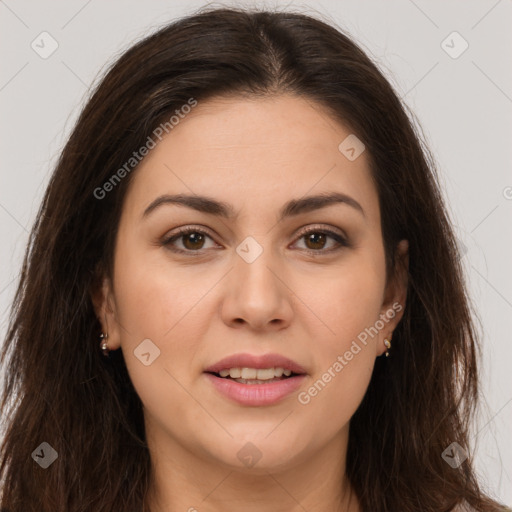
[(256, 394)]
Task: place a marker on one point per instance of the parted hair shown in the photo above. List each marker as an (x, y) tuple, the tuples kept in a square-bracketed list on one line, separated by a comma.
[(58, 387)]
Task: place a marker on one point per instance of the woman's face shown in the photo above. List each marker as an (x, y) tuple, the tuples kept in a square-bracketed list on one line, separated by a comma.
[(265, 271)]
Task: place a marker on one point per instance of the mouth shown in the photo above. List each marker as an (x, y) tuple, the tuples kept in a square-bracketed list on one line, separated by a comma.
[(255, 376), (255, 392), (255, 380)]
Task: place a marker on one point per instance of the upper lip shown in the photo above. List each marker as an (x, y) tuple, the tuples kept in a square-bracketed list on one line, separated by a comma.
[(254, 361)]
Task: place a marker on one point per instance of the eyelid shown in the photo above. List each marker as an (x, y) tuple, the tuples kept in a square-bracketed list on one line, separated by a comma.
[(335, 233), (320, 227), (332, 232), (177, 233)]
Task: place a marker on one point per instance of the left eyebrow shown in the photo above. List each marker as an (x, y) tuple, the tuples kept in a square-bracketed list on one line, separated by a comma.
[(221, 209)]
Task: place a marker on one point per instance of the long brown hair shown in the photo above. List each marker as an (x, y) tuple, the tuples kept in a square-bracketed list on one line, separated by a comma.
[(59, 389)]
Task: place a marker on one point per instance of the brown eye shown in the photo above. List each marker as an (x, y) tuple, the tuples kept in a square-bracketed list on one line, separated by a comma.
[(192, 240), (316, 240)]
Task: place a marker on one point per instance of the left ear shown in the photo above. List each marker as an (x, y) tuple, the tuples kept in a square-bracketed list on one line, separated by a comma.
[(395, 296)]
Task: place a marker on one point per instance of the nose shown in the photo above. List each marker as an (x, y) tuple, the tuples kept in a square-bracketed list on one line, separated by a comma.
[(257, 295)]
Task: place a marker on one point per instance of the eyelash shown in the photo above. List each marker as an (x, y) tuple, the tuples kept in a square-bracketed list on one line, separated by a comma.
[(342, 241)]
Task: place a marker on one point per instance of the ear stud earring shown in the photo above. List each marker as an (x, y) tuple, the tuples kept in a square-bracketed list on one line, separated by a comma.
[(388, 345), (104, 345)]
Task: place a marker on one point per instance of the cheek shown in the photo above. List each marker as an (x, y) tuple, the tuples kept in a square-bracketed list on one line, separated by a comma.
[(156, 299), (344, 364), (345, 353), (347, 299), (335, 393), (156, 303)]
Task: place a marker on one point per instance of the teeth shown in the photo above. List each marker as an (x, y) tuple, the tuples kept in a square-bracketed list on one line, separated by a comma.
[(253, 373), (249, 373)]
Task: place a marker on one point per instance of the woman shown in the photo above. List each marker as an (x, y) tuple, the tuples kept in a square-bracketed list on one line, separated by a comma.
[(242, 291)]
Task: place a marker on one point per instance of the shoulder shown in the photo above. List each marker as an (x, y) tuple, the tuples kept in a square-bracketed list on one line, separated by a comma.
[(465, 507)]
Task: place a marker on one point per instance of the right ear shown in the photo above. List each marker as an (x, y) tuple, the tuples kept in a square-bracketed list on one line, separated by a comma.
[(102, 296)]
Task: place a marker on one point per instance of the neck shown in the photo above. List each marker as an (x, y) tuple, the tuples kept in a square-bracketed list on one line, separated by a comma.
[(185, 481)]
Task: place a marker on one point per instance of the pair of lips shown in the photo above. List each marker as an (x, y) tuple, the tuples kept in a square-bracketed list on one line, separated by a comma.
[(255, 393), (257, 362), (255, 380)]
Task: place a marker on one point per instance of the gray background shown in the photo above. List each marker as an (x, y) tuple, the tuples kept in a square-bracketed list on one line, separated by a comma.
[(464, 106)]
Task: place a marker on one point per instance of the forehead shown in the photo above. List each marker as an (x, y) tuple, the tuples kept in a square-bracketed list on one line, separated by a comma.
[(254, 152)]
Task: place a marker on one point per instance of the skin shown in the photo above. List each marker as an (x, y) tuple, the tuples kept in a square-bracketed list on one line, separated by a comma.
[(255, 155)]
